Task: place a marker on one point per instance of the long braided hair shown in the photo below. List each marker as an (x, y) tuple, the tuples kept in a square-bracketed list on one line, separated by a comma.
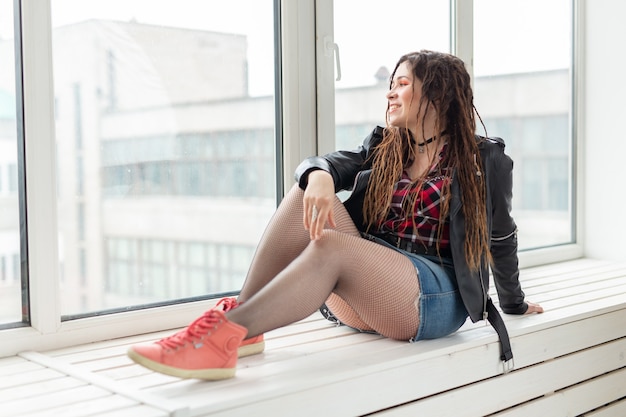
[(446, 87)]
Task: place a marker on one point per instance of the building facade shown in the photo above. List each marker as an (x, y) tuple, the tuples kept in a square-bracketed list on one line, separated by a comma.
[(166, 165)]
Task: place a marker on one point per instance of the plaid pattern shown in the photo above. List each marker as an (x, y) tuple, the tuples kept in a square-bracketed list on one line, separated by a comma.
[(422, 226)]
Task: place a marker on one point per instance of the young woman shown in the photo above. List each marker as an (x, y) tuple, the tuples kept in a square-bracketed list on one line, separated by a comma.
[(406, 256)]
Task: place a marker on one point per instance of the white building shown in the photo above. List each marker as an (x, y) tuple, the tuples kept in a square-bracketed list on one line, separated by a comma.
[(154, 126)]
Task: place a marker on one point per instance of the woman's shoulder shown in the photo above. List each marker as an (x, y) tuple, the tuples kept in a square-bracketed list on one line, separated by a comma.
[(376, 134), (490, 146), (490, 142), (492, 152)]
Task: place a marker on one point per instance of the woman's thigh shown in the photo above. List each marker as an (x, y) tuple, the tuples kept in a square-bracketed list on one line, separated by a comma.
[(378, 284), (404, 296)]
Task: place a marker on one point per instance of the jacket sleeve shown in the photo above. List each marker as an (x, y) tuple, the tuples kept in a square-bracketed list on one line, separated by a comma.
[(505, 265), (343, 166)]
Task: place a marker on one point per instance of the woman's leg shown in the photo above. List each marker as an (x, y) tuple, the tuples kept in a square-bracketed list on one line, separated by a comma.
[(345, 313), (379, 284), (284, 239)]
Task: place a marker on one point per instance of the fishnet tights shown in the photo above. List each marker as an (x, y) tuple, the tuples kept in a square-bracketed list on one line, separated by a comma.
[(366, 285)]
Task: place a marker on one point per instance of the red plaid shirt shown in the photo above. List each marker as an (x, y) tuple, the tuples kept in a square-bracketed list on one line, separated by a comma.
[(422, 226)]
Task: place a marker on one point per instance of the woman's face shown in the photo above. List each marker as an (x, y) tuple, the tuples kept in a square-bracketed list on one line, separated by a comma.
[(403, 99)]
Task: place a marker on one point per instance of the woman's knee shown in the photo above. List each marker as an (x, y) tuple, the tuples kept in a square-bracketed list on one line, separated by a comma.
[(330, 240), (295, 192)]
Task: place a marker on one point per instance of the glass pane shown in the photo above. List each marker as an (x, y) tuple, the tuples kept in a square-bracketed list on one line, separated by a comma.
[(369, 50), (10, 276), (165, 147), (522, 64)]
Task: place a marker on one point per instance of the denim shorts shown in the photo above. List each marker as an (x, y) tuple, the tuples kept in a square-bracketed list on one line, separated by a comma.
[(441, 308)]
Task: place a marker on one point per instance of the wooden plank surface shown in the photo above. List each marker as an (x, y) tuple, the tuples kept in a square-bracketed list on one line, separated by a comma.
[(308, 363), (315, 376), (615, 409), (508, 390), (578, 399), (78, 396)]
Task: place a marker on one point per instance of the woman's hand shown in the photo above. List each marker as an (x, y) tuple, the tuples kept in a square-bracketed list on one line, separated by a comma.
[(318, 202), (533, 308)]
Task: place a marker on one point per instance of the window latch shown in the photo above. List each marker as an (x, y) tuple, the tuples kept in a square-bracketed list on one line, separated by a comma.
[(331, 48)]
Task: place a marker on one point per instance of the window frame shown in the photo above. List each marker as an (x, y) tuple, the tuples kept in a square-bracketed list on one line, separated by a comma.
[(304, 110), (461, 18), (46, 330)]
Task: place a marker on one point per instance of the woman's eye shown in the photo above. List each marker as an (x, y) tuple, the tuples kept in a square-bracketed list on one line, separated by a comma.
[(399, 84)]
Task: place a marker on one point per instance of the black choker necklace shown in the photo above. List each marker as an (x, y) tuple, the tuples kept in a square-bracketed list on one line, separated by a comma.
[(422, 145)]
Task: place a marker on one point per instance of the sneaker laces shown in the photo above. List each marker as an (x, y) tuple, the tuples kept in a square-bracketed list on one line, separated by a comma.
[(200, 327)]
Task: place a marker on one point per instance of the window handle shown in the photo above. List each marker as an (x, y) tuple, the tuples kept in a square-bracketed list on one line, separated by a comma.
[(330, 49)]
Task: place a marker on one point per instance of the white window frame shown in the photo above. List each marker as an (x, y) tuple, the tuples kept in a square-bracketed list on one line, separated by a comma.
[(461, 18), (308, 128)]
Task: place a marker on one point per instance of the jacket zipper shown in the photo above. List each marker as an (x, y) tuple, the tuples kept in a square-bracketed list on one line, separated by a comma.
[(498, 239)]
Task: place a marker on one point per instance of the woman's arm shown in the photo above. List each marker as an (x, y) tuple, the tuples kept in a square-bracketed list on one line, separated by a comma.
[(504, 245), (343, 166), (321, 177)]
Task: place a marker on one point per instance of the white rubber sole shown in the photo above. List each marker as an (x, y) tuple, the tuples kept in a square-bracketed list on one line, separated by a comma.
[(249, 350), (206, 374)]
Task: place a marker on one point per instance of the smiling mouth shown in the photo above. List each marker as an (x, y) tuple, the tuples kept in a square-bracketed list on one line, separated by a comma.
[(393, 108)]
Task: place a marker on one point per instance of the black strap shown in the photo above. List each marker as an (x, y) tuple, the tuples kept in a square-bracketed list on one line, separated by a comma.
[(328, 315), (506, 354)]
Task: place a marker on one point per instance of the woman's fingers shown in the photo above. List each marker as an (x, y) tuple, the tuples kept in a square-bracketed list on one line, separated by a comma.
[(306, 215), (318, 203), (317, 218), (317, 213), (320, 215), (331, 218)]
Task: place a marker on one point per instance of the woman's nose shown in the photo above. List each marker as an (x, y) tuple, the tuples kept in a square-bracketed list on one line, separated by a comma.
[(391, 93)]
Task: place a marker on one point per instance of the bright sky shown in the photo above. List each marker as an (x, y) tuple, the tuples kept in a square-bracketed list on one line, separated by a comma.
[(509, 35)]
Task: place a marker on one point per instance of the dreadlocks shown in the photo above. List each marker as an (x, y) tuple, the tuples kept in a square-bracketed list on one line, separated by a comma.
[(446, 87)]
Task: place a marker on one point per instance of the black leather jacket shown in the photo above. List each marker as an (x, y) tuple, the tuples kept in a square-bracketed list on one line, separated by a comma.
[(351, 170)]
